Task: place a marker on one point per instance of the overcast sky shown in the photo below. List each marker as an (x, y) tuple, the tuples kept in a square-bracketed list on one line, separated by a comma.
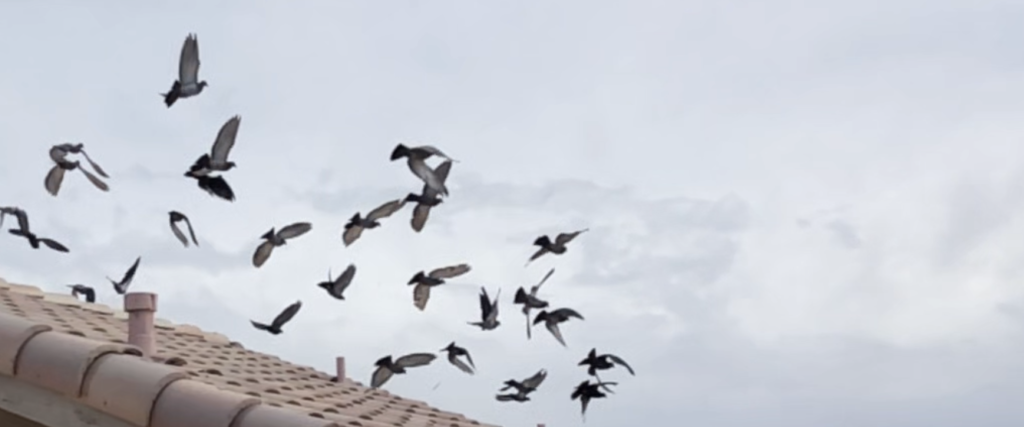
[(801, 213)]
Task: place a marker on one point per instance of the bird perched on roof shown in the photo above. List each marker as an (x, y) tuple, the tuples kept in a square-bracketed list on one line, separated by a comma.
[(416, 160), (175, 218), (423, 282), (488, 311), (82, 290), (386, 367), (454, 352), (122, 286), (55, 177), (531, 301), (25, 230), (272, 239), (188, 84), (60, 151), (428, 198), (523, 388), (354, 227), (336, 287), (284, 317), (586, 391), (557, 247), (554, 318), (596, 362)]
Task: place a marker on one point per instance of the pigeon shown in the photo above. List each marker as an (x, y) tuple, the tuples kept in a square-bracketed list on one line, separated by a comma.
[(217, 159), (423, 282), (280, 238), (553, 318), (531, 301), (188, 83), (603, 362), (24, 230), (428, 198), (557, 248), (177, 217), (523, 388), (60, 151), (586, 391), (357, 223), (454, 352), (336, 287), (215, 185), (122, 286), (279, 321), (82, 290), (416, 160), (55, 177), (488, 311), (386, 367)]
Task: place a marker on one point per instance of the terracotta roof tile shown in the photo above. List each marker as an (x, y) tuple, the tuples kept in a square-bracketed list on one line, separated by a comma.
[(78, 349)]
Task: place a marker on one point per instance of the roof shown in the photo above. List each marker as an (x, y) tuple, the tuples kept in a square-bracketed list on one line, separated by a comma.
[(78, 349)]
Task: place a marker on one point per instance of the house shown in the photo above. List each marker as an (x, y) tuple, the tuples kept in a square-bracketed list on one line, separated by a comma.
[(66, 363)]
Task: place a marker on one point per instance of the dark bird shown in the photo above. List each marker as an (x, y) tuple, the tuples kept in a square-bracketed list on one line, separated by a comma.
[(336, 287), (523, 388), (280, 238), (82, 290), (586, 391), (428, 198), (24, 230), (416, 160), (215, 186), (488, 311), (279, 321), (188, 84), (177, 217), (386, 367), (122, 286), (60, 151), (454, 352), (354, 227), (55, 177), (603, 362), (553, 318), (557, 247), (217, 159), (531, 301), (423, 282)]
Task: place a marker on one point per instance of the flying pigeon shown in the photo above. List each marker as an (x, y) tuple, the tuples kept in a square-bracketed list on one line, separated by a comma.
[(59, 152), (557, 247), (336, 287), (279, 321), (354, 227), (428, 198), (280, 238), (386, 367), (586, 391), (423, 282), (454, 352), (488, 311), (177, 217), (25, 231), (122, 286), (416, 160), (188, 84), (82, 290), (523, 388), (553, 318), (217, 159), (531, 301), (55, 177), (603, 362)]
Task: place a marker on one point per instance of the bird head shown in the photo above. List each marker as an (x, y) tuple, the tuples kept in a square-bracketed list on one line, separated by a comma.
[(542, 316), (325, 285), (412, 198), (203, 85), (384, 361), (229, 165), (268, 235), (415, 279), (542, 241), (450, 347), (400, 151)]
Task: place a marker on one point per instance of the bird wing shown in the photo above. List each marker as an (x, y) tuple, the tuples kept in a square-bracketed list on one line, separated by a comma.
[(96, 182), (505, 397), (345, 279), (262, 253), (225, 140), (54, 178), (191, 232), (415, 359), (286, 315), (420, 213), (294, 230), (427, 175), (53, 244), (425, 151), (492, 315), (130, 274), (529, 327), (380, 376), (534, 289), (485, 303), (351, 234), (450, 271), (90, 294), (459, 364), (217, 186), (177, 232), (188, 65), (470, 359), (385, 210), (94, 166), (564, 238), (420, 296), (259, 325), (537, 254), (566, 313), (22, 216), (557, 333), (536, 380), (618, 361), (441, 172)]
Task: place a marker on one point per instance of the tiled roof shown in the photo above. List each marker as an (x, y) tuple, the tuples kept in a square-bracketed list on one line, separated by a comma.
[(78, 349)]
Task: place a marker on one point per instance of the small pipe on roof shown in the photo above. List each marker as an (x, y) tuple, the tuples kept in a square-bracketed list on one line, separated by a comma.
[(141, 308), (540, 425), (339, 368)]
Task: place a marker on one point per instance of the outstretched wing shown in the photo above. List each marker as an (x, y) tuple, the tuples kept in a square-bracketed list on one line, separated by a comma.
[(94, 166), (385, 210), (177, 232), (22, 216), (53, 244), (415, 359), (225, 140), (54, 178), (618, 361), (420, 296), (420, 213), (450, 271), (534, 289), (345, 279), (460, 364), (188, 64), (351, 234), (425, 151), (96, 182), (380, 376), (287, 314), (294, 230), (557, 333), (564, 238), (536, 380), (441, 173), (566, 313), (130, 274), (262, 253), (485, 303), (191, 232)]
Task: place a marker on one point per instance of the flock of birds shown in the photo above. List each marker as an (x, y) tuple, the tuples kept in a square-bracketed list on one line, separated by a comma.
[(208, 170)]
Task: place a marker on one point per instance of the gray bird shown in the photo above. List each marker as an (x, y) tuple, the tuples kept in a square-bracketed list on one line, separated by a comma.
[(531, 301), (454, 352), (336, 287), (217, 159), (354, 227), (557, 247), (523, 388), (59, 152), (488, 311), (279, 321), (596, 362), (428, 198), (122, 286), (586, 391), (272, 239), (175, 218), (423, 282), (386, 367), (82, 290), (554, 318), (55, 177), (24, 230), (188, 84), (416, 160)]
